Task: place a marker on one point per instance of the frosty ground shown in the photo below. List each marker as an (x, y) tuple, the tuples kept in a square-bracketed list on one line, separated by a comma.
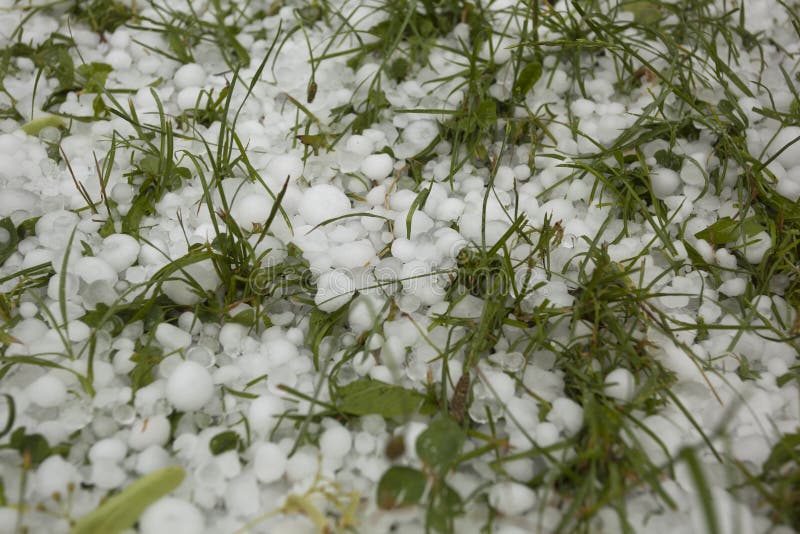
[(399, 266)]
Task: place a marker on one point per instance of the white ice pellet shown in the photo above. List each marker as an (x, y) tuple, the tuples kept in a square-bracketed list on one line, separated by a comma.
[(755, 247), (93, 268), (359, 144), (377, 166), (665, 182), (263, 413), (693, 169), (152, 458), (498, 385), (752, 448), (286, 165), (53, 475), (280, 351), (269, 462), (231, 335), (335, 442), (323, 202), (787, 139), (118, 59), (334, 289), (27, 310), (364, 443), (78, 331), (153, 430), (420, 224), (511, 498), (546, 434), (112, 449), (106, 474), (251, 209), (47, 391), (733, 287), (242, 495), (183, 292), (171, 515), (189, 75), (450, 210), (567, 415), (303, 465), (352, 255), (363, 312), (189, 387), (620, 384), (172, 337), (191, 98), (15, 200)]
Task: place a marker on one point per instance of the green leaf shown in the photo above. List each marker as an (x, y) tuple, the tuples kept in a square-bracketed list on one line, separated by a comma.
[(751, 226), (486, 114), (142, 206), (785, 450), (443, 507), (32, 446), (400, 486), (8, 239), (419, 203), (527, 78), (440, 443), (644, 12), (320, 325), (723, 231), (121, 511), (223, 442), (365, 396), (38, 124), (146, 359), (94, 75)]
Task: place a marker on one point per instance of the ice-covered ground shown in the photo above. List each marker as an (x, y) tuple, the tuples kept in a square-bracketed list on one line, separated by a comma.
[(153, 318)]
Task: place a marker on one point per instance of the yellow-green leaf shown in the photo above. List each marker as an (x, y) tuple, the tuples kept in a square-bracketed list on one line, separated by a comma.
[(121, 511), (40, 123)]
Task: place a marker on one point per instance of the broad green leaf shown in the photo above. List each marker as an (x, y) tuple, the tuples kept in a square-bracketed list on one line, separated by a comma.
[(400, 486), (223, 442), (38, 124), (121, 511), (419, 203), (527, 78), (440, 443), (444, 506), (320, 325), (486, 114), (751, 227), (644, 12), (95, 75), (723, 231), (8, 239), (785, 450), (142, 206), (366, 396), (33, 447)]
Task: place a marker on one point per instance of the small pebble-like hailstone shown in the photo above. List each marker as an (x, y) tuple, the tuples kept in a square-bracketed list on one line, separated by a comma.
[(323, 202), (511, 498), (171, 515), (620, 385), (269, 462), (189, 387)]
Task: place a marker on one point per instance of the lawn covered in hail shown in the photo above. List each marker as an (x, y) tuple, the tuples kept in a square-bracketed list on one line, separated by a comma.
[(507, 266)]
